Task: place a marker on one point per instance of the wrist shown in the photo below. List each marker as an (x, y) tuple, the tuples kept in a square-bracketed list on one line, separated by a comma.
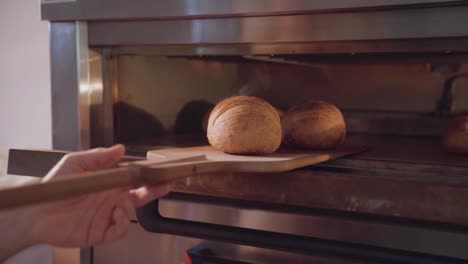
[(32, 220), (17, 231)]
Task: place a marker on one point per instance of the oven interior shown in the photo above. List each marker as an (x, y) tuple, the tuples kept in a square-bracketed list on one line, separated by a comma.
[(161, 100), (390, 104)]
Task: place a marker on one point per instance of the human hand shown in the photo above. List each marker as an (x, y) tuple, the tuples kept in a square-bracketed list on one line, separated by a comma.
[(94, 218)]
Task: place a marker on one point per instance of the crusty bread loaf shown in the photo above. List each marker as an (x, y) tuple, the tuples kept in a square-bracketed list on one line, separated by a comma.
[(244, 125), (455, 135), (205, 119), (314, 125)]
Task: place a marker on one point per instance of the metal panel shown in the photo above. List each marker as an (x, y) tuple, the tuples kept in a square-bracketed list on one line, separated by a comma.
[(161, 87), (212, 252), (64, 84), (417, 47), (70, 91), (443, 22), (70, 86), (102, 75), (110, 93), (143, 9), (85, 88), (139, 246)]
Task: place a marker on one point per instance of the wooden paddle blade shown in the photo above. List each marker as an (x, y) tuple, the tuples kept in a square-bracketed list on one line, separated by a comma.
[(280, 161), (216, 161), (315, 157)]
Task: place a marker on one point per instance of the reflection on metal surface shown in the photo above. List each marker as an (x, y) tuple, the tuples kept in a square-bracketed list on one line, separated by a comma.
[(144, 247), (378, 234), (96, 93), (443, 22), (110, 95), (70, 90), (90, 89), (84, 85), (70, 86), (69, 80), (144, 9), (159, 86), (214, 252)]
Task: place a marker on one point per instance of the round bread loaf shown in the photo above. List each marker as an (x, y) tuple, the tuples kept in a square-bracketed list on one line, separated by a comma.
[(205, 119), (244, 125), (314, 125), (455, 135)]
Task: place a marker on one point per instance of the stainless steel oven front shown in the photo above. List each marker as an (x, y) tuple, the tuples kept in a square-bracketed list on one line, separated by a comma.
[(144, 73)]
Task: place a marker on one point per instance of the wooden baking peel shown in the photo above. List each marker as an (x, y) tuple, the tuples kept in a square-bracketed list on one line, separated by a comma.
[(163, 166)]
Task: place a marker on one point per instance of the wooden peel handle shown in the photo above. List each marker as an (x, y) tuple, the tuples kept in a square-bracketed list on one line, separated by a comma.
[(134, 174), (88, 182), (79, 184)]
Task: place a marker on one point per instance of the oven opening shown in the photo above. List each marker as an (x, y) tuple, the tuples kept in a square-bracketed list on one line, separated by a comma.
[(396, 109)]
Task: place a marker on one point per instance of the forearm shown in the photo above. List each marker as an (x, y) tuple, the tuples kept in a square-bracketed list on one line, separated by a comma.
[(16, 231)]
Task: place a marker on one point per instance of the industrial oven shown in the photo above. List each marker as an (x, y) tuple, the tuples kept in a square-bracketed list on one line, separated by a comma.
[(144, 73)]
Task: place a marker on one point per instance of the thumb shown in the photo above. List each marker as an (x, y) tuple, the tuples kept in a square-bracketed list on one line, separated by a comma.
[(96, 158)]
